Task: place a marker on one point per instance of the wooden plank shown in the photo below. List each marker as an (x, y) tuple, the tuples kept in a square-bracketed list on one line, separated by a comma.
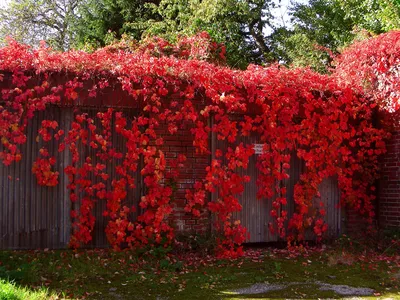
[(65, 208)]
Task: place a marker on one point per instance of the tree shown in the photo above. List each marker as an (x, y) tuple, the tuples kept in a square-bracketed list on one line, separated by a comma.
[(241, 25), (375, 16), (30, 21), (317, 26), (322, 28), (104, 20)]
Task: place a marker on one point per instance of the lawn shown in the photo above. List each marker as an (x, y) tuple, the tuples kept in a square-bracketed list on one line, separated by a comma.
[(9, 291), (261, 274)]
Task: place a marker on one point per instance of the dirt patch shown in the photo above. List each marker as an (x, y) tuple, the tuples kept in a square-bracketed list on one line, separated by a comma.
[(343, 290), (259, 288)]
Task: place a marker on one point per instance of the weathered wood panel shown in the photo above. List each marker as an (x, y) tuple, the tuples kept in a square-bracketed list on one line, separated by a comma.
[(133, 195), (33, 216), (255, 214), (330, 197)]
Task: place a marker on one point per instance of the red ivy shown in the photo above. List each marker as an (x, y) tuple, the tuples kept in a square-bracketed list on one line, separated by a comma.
[(42, 168), (326, 123)]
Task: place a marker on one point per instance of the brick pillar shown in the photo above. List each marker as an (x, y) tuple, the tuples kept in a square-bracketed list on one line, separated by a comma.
[(389, 185), (194, 169)]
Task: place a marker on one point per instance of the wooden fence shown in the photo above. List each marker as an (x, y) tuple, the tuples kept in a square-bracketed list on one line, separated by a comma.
[(34, 216)]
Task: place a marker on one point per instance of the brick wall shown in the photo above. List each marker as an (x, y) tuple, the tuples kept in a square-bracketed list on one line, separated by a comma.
[(389, 185), (388, 202), (355, 224), (194, 169), (388, 206)]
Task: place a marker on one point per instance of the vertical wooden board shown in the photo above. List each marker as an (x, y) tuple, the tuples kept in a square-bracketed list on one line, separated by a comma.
[(99, 238), (330, 198), (20, 194), (29, 212), (36, 190), (50, 204), (3, 205), (26, 179), (65, 160), (11, 204), (295, 171), (33, 216), (255, 213), (86, 151), (55, 199)]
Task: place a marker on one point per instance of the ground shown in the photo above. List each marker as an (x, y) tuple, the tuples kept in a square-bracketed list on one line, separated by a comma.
[(267, 273)]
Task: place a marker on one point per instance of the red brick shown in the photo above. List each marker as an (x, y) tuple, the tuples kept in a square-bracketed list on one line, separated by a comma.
[(389, 186)]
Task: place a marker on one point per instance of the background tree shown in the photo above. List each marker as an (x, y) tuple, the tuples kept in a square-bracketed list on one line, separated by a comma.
[(375, 16), (241, 25), (321, 24), (30, 21), (104, 20), (321, 28)]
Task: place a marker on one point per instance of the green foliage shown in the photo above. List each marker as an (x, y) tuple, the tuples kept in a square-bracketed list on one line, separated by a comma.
[(386, 242), (238, 24), (104, 21), (159, 252), (332, 24), (317, 25), (31, 21), (302, 50), (10, 291), (375, 16), (348, 243), (324, 21)]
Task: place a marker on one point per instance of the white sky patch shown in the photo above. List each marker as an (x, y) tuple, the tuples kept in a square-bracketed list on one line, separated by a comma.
[(282, 13), (3, 3)]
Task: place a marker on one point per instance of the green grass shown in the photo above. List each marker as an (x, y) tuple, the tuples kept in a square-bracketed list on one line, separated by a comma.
[(99, 274), (9, 291)]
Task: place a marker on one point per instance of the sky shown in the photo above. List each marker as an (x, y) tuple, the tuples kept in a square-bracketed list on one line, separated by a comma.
[(3, 2), (282, 12)]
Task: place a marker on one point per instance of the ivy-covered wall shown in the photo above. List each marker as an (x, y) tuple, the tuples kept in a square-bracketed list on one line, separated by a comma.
[(389, 185)]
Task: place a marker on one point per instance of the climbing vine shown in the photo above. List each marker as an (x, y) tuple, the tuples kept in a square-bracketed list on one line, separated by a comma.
[(327, 124)]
